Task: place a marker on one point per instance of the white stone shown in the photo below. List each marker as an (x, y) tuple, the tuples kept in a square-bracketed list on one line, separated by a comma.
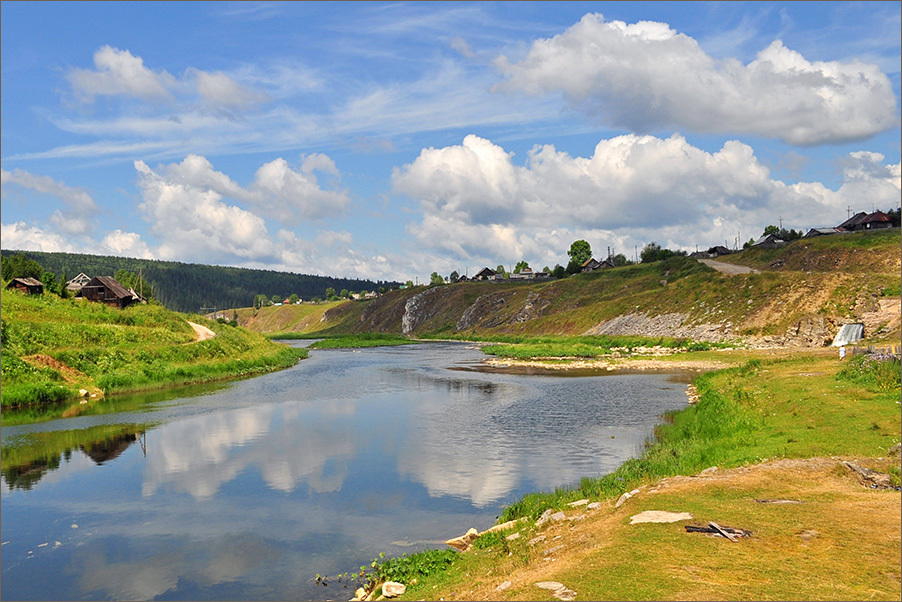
[(625, 497), (463, 542), (390, 589), (659, 516), (503, 586), (578, 503)]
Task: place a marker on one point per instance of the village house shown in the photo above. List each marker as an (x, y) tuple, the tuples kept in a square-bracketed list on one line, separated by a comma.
[(711, 253), (74, 285), (108, 290), (525, 274), (29, 286), (866, 221), (485, 274), (769, 241)]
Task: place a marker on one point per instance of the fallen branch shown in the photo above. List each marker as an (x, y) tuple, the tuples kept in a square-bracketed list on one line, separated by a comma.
[(721, 531)]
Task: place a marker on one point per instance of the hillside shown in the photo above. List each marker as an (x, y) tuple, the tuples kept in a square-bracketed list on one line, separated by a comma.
[(53, 348), (803, 293), (188, 287)]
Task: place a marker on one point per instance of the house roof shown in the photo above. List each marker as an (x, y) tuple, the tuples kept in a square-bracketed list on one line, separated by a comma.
[(854, 220), (27, 281), (119, 291), (485, 271), (877, 216), (767, 238)]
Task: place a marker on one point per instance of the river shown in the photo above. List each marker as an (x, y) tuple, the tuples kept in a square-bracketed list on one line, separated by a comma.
[(246, 491)]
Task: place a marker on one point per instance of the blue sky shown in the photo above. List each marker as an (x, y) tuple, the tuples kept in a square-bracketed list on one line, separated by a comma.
[(391, 140)]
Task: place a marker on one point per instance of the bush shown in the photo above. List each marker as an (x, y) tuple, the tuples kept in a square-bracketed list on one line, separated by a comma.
[(876, 372)]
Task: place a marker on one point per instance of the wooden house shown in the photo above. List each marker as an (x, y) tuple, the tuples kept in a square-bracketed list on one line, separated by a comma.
[(590, 265), (866, 221), (485, 274), (74, 285), (106, 289), (29, 286), (768, 241)]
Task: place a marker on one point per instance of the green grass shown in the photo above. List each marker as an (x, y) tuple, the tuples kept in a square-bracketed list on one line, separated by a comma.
[(361, 340), (139, 348)]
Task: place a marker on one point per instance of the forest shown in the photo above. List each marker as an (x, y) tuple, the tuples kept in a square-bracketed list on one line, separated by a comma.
[(198, 288)]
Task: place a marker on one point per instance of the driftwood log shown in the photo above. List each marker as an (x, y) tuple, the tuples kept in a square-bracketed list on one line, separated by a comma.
[(715, 529)]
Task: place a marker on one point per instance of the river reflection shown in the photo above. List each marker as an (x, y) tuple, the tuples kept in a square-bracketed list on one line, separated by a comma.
[(251, 490)]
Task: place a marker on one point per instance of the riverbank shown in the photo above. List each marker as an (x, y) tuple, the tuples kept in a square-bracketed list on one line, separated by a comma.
[(775, 429), (58, 350)]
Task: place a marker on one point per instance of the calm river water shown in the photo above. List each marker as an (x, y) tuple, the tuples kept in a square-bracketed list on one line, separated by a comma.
[(246, 491)]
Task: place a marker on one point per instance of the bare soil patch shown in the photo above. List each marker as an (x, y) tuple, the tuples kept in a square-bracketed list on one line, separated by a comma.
[(69, 374), (202, 332)]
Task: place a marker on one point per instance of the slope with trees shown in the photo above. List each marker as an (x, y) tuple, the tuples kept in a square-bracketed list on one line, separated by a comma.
[(189, 287)]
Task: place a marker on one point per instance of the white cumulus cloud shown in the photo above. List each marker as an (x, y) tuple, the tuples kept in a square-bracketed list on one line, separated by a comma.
[(119, 72), (646, 76), (478, 205)]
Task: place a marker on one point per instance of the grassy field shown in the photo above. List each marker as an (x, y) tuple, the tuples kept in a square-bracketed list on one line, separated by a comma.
[(760, 424), (53, 347)]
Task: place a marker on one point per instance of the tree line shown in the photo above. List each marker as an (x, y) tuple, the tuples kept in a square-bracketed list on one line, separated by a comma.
[(189, 287)]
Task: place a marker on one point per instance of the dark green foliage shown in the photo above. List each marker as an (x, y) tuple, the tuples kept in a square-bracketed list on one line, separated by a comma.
[(187, 287), (20, 266), (654, 252), (404, 568)]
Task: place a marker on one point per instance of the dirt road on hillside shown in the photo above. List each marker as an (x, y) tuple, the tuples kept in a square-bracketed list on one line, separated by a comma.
[(728, 268), (203, 333)]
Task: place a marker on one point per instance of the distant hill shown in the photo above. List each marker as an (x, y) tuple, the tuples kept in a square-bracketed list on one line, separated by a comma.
[(800, 296), (190, 287)]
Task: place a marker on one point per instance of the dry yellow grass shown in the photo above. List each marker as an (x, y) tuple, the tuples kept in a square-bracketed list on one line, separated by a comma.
[(842, 542)]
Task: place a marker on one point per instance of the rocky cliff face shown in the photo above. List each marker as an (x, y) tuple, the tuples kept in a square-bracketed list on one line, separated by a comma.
[(422, 307)]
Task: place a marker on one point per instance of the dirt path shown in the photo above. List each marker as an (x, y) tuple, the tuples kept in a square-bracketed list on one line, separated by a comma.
[(728, 268), (203, 333)]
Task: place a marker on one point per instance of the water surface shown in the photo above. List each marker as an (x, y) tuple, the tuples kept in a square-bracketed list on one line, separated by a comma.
[(247, 491)]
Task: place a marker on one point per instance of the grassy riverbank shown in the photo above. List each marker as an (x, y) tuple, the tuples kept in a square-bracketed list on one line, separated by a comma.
[(760, 423), (54, 347), (351, 341)]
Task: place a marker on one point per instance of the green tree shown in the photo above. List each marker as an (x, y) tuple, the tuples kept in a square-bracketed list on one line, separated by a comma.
[(330, 294), (293, 298), (521, 265), (454, 277), (559, 271), (344, 294), (435, 279), (500, 270), (620, 259), (771, 229), (260, 301), (654, 252), (276, 299), (19, 266), (580, 252)]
